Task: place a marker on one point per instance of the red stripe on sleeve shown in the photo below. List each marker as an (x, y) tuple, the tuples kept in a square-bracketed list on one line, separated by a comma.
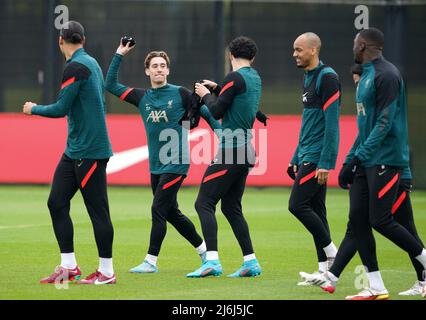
[(68, 82), (89, 174), (125, 93), (307, 177), (226, 87), (398, 202), (215, 175), (174, 181), (388, 186), (333, 98)]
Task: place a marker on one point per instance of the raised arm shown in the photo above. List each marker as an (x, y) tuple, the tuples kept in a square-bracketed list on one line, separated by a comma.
[(128, 94)]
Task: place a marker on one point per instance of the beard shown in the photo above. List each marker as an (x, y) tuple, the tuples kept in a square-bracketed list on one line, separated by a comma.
[(357, 59)]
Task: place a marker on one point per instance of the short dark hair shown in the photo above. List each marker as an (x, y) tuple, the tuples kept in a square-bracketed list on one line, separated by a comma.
[(357, 69), (374, 37), (72, 32), (243, 47)]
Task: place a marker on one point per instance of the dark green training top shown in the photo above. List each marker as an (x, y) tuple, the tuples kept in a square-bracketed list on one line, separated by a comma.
[(319, 134), (82, 99), (382, 117), (162, 110), (236, 104)]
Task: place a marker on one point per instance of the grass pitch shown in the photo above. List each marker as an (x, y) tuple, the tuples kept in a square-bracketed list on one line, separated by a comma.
[(28, 249)]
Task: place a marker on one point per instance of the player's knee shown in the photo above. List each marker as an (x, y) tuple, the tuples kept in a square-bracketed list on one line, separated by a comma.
[(158, 210), (54, 205), (294, 207), (198, 206), (379, 224), (229, 210)]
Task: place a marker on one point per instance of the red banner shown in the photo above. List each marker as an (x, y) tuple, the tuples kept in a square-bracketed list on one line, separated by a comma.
[(30, 148)]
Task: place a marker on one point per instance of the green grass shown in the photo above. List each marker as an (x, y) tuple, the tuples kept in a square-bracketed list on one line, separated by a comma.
[(28, 249)]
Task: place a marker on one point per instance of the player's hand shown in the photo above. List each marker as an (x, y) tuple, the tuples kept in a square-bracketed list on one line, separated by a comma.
[(292, 170), (322, 176), (28, 107), (209, 84), (201, 90), (347, 173), (123, 50)]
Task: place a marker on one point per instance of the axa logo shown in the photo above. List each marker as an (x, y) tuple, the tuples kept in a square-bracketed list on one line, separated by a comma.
[(157, 115), (360, 108), (304, 97)]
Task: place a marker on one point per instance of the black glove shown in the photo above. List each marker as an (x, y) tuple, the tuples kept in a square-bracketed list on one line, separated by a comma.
[(193, 114), (347, 173), (291, 172), (261, 117)]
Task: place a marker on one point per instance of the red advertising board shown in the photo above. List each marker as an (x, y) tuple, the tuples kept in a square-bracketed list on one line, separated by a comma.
[(30, 148)]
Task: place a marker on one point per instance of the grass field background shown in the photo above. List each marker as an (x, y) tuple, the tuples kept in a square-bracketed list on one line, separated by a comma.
[(28, 249)]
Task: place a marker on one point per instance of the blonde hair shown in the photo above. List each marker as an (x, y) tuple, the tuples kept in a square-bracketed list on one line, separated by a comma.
[(155, 54)]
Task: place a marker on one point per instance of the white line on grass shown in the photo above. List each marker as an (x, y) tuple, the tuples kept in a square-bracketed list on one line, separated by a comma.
[(22, 226)]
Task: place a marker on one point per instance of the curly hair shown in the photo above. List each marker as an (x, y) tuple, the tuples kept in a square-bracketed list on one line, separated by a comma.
[(243, 47)]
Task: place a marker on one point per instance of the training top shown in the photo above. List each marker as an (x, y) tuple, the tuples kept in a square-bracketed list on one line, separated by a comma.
[(81, 98), (162, 110), (237, 103), (381, 117), (319, 134)]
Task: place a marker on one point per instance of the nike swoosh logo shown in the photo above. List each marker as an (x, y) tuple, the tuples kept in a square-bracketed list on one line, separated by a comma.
[(104, 282), (206, 271), (381, 173), (79, 164), (128, 158)]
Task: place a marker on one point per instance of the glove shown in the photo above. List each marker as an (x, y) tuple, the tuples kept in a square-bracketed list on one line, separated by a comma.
[(347, 173), (291, 172), (193, 113), (261, 117)]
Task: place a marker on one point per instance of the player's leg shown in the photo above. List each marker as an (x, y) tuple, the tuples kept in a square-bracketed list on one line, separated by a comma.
[(64, 187), (93, 187), (169, 186), (347, 249), (359, 218), (305, 187), (318, 206), (214, 185), (232, 209), (383, 184), (158, 231), (402, 212)]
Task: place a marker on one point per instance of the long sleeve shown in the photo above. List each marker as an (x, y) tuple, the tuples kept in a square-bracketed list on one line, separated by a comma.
[(128, 94), (233, 84), (387, 93), (330, 96), (295, 159), (206, 115), (74, 74), (352, 152)]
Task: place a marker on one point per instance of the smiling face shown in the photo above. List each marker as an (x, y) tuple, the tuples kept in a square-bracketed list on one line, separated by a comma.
[(304, 52), (158, 71)]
